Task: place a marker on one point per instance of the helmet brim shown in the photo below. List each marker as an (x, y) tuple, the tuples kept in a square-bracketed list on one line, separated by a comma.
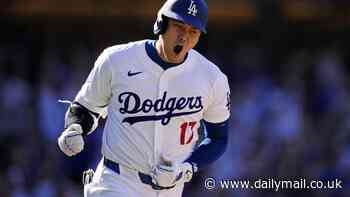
[(194, 22)]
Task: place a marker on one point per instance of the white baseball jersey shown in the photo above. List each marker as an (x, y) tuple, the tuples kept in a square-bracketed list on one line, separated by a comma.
[(152, 112)]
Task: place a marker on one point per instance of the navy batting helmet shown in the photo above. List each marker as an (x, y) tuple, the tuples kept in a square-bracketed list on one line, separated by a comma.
[(191, 12)]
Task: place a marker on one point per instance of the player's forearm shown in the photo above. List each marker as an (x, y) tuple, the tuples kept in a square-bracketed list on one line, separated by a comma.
[(78, 114), (208, 153)]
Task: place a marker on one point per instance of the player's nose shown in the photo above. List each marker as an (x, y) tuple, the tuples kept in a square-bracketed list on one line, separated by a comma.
[(183, 36), (183, 33), (181, 39)]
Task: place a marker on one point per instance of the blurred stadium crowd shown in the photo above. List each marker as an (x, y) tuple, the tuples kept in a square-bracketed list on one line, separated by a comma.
[(289, 102)]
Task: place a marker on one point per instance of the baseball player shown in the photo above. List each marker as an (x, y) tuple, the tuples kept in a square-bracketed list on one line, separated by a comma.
[(155, 93)]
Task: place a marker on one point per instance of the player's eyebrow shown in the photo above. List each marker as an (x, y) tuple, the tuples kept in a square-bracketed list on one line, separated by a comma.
[(175, 22)]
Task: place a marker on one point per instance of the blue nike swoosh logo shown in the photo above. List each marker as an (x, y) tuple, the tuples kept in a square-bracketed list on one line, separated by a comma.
[(133, 73)]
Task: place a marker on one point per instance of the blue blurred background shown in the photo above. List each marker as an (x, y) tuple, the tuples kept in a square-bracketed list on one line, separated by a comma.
[(287, 62)]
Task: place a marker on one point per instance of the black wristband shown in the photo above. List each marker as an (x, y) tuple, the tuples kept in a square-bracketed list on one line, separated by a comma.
[(78, 114)]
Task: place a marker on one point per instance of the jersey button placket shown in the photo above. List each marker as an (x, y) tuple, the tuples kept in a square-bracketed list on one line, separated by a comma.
[(158, 137)]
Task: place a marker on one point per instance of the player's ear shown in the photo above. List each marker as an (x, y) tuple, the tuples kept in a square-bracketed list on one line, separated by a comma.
[(161, 25)]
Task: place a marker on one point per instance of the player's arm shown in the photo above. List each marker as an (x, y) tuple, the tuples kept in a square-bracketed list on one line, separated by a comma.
[(216, 121), (79, 122), (90, 104), (78, 114), (216, 118), (218, 135)]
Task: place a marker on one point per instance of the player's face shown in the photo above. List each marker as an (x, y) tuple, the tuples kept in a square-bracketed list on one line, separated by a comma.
[(179, 38)]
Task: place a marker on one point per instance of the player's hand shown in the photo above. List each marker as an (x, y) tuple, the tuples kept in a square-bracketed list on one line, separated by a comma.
[(170, 175), (71, 141)]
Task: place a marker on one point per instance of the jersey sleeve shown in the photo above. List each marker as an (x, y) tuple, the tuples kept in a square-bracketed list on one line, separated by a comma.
[(219, 107), (96, 91)]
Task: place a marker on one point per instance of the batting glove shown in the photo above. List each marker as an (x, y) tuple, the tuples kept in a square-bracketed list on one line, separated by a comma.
[(169, 176), (71, 141)]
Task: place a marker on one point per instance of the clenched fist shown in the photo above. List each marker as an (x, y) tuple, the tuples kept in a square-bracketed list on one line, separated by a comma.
[(71, 141), (170, 175)]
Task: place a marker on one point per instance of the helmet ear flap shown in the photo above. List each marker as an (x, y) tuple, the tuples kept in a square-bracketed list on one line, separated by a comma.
[(161, 25)]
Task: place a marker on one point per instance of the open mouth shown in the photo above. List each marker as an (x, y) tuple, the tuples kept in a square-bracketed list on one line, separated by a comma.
[(178, 49)]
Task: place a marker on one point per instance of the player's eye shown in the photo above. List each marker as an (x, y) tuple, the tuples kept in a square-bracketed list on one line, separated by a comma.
[(178, 25), (193, 31)]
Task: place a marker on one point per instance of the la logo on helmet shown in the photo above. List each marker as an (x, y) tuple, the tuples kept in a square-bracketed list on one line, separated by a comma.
[(192, 9)]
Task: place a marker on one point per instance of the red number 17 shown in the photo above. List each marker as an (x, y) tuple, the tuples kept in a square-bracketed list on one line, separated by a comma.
[(183, 131)]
